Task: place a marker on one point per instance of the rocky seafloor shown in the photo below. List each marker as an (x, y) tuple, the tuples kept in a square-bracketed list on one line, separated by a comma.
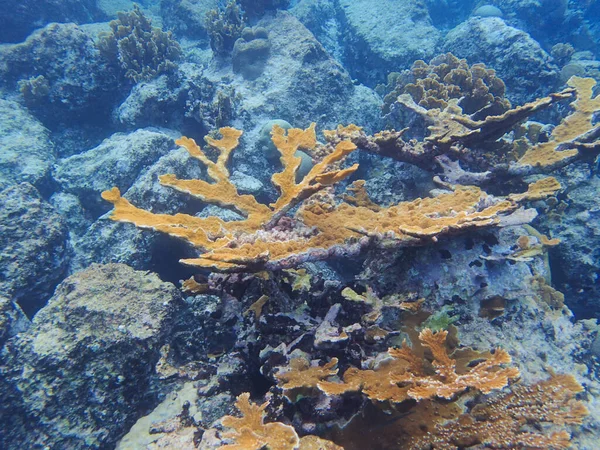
[(102, 345)]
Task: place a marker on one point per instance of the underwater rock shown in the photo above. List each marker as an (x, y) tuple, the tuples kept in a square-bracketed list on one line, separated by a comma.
[(27, 152), (165, 426), (576, 261), (454, 269), (538, 18), (21, 17), (104, 242), (85, 368), (72, 212), (187, 17), (117, 161), (12, 320), (152, 103), (526, 68), (246, 184), (377, 43), (321, 18), (301, 82), (68, 81), (191, 101), (33, 247)]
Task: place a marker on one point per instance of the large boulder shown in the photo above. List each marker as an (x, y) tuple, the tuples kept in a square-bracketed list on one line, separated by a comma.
[(69, 80), (118, 161), (384, 36), (576, 260), (27, 152), (187, 17), (33, 247), (107, 241), (524, 66), (84, 371)]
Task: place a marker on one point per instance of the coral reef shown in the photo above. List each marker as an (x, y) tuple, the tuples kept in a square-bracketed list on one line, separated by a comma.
[(141, 50), (259, 241), (432, 85), (431, 286), (455, 141), (68, 82), (510, 51), (224, 26), (501, 422), (406, 377)]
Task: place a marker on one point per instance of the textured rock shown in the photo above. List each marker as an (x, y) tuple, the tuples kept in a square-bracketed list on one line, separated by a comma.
[(107, 241), (187, 17), (301, 82), (12, 320), (539, 18), (378, 43), (576, 261), (33, 247), (454, 270), (321, 18), (152, 103), (118, 161), (192, 101), (27, 152), (69, 81), (85, 369), (526, 69)]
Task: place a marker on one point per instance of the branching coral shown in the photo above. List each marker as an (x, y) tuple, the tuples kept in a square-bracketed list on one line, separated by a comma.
[(249, 432), (468, 150), (502, 422), (142, 51), (302, 375), (407, 375), (261, 241)]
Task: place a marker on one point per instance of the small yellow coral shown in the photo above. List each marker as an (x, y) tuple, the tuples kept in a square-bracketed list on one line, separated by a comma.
[(249, 432)]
